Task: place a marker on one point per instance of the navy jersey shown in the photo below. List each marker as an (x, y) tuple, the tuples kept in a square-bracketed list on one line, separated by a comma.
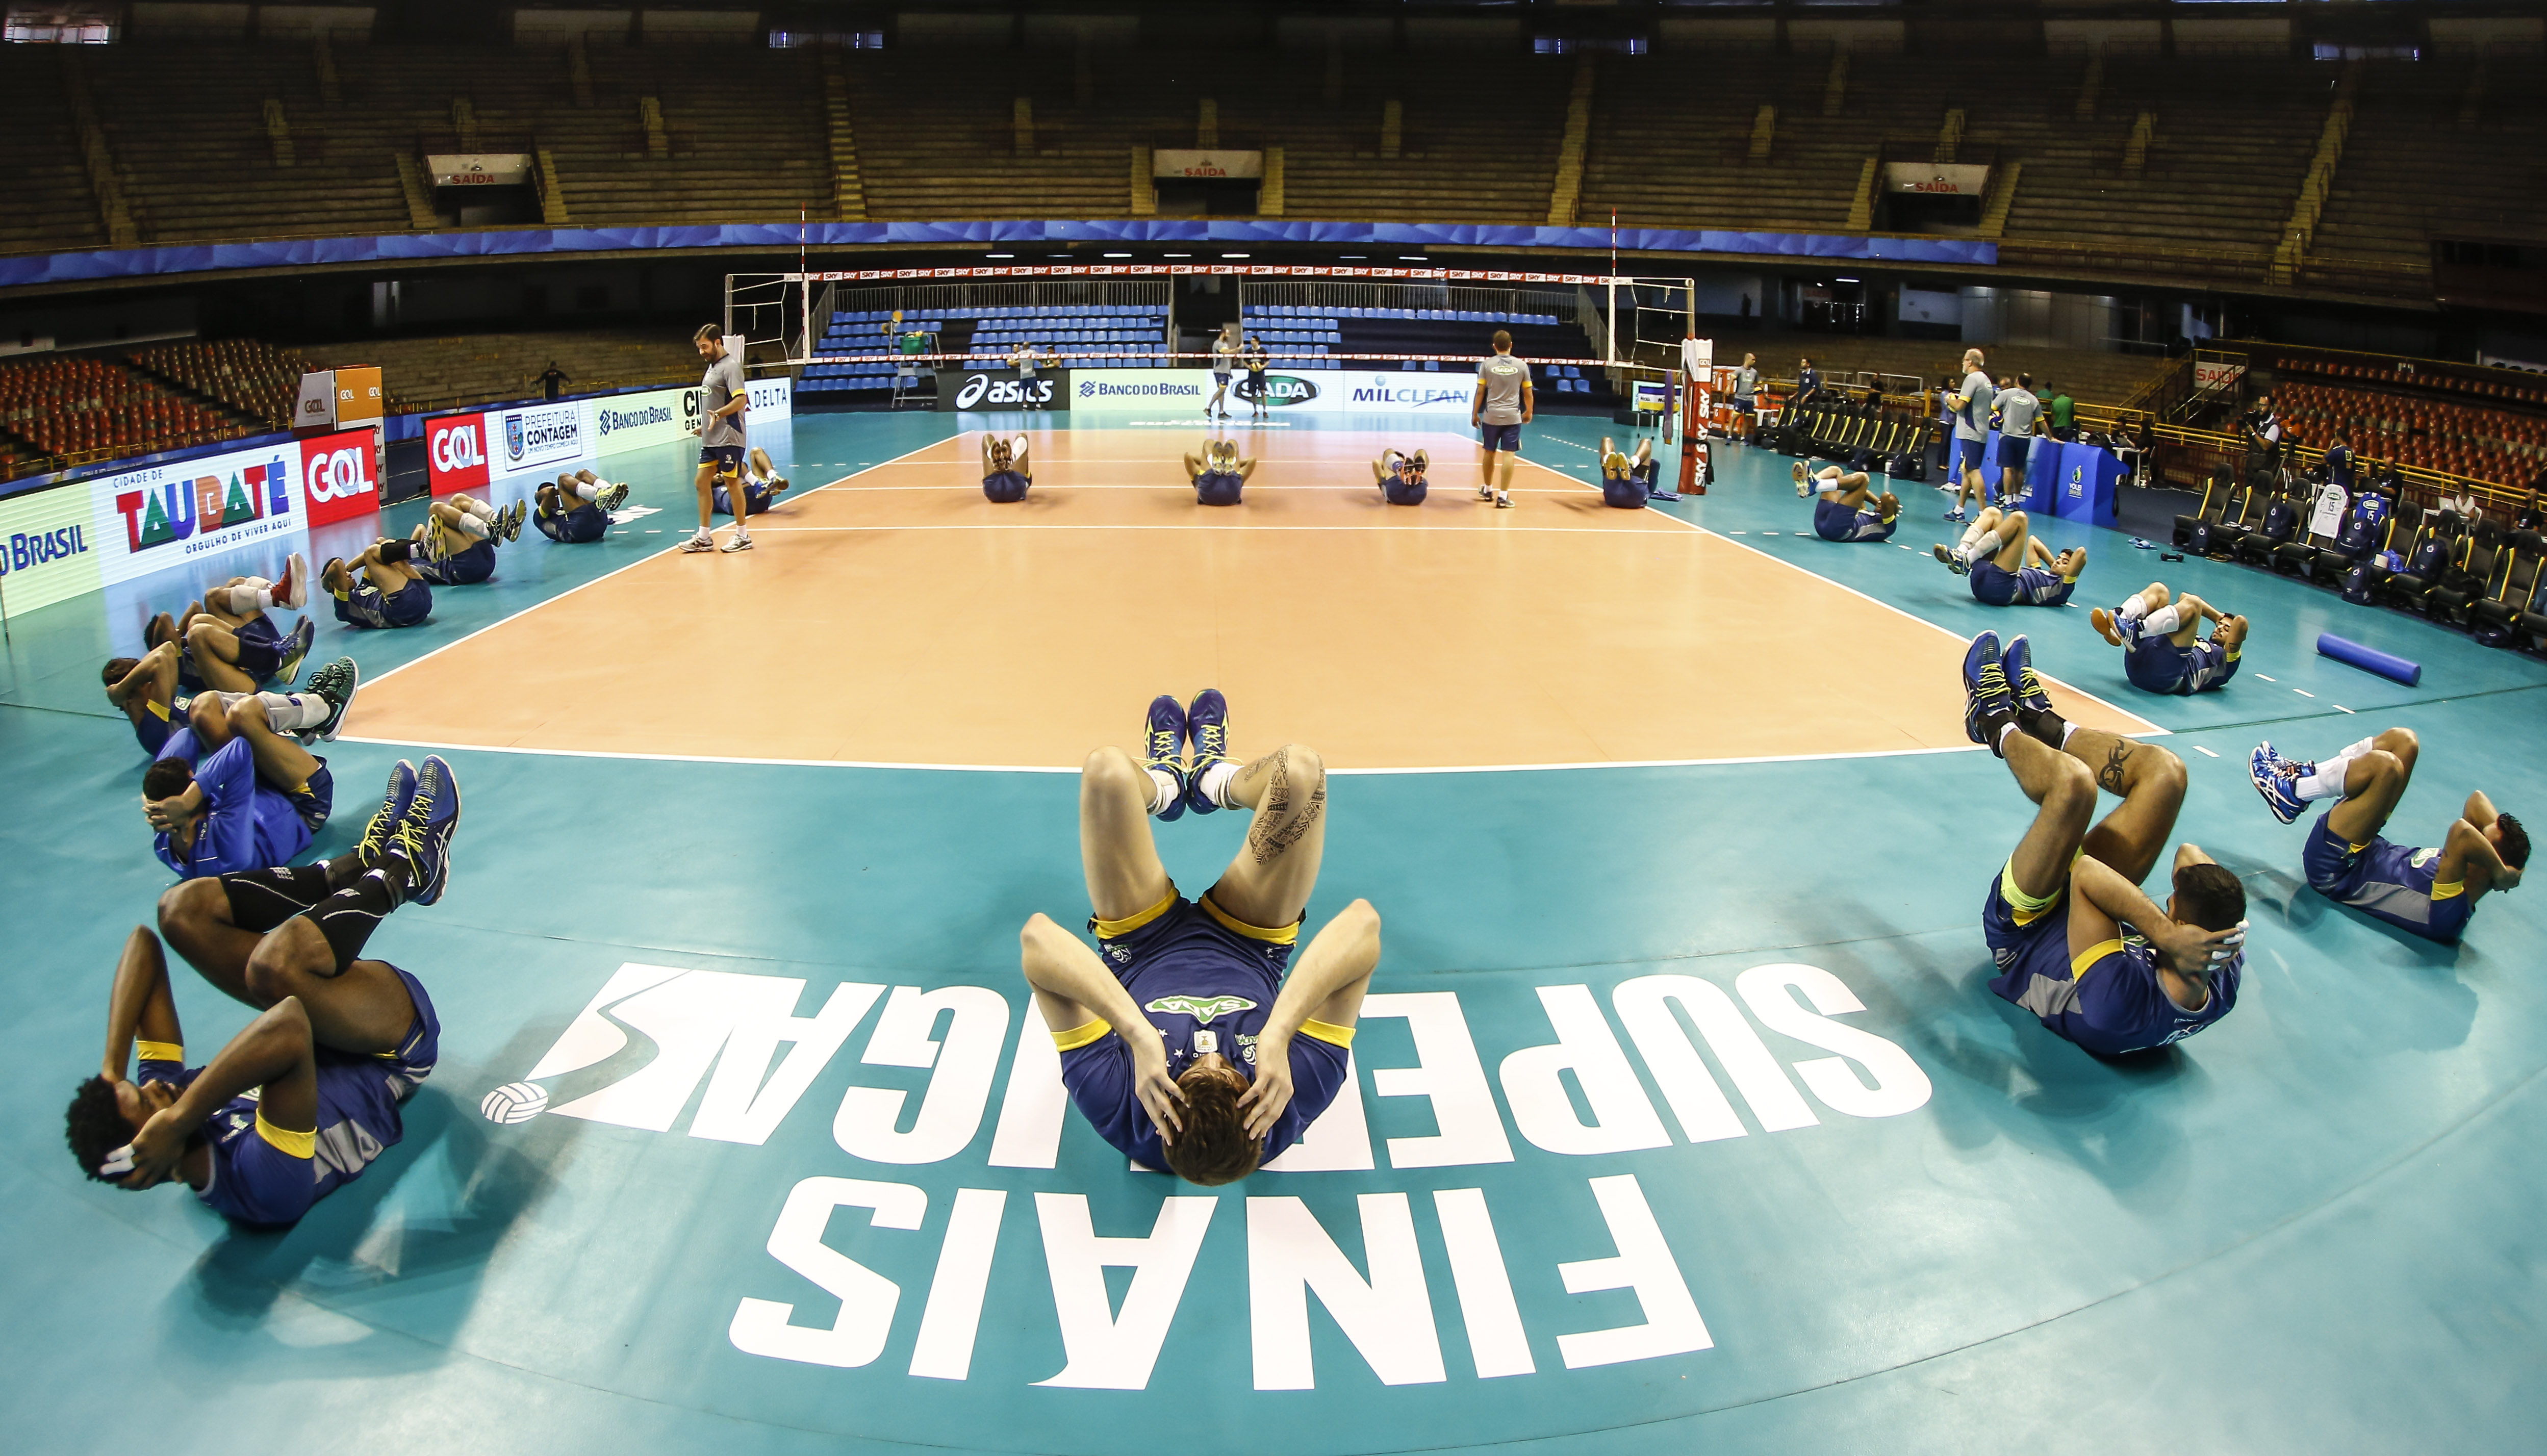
[(154, 725), (2033, 586), (1207, 983), (1218, 487), (2339, 465), (459, 568), (1007, 488), (2155, 665), (1403, 493), (585, 523), (265, 1174), (2107, 997), (2369, 518), (247, 823), (2394, 883), (1834, 520), (367, 605)]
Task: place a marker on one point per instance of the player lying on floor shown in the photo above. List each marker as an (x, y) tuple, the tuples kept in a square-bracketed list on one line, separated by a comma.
[(1401, 476), (380, 588), (577, 509), (1846, 507), (2009, 565), (227, 642), (2058, 910), (235, 786), (761, 486), (455, 544), (1006, 473), (2163, 650), (1182, 1040), (1628, 481), (307, 1096), (2431, 893), (1218, 473)]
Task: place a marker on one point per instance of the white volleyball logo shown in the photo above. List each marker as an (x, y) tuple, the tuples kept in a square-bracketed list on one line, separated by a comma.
[(515, 1102)]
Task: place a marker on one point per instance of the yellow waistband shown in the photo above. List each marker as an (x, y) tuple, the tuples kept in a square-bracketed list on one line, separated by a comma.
[(1328, 1032), (1286, 935), (1109, 929), (2449, 890), (159, 709), (286, 1141), (160, 1051), (2079, 963), (2029, 907)]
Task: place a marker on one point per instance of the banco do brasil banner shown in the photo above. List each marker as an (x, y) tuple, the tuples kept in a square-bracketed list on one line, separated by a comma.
[(1309, 390)]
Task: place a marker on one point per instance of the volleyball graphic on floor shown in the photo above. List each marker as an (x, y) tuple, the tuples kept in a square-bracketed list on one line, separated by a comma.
[(515, 1102)]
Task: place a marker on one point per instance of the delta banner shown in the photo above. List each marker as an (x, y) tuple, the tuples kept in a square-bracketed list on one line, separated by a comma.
[(1310, 392)]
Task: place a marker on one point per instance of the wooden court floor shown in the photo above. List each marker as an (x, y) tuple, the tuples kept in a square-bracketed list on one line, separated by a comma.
[(898, 617)]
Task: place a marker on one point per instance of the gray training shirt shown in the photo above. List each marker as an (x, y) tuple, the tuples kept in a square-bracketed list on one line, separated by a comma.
[(724, 381), (2017, 412), (1972, 423), (1504, 378)]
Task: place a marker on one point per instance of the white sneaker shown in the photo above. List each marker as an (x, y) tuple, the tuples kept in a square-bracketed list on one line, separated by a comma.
[(738, 542), (294, 592), (1503, 500), (1485, 492), (699, 543)]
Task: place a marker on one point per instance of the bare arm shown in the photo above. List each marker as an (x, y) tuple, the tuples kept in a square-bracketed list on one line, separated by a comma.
[(1073, 987), (1477, 405), (1327, 986), (1528, 401), (140, 1005), (2469, 857), (275, 1053), (2102, 901)]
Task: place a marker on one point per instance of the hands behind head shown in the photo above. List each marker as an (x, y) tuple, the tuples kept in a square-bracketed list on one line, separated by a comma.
[(168, 815), (1271, 1092), (2191, 951), (1159, 1093)]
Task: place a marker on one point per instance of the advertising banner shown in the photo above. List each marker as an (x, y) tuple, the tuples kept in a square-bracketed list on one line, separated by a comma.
[(357, 397), (316, 408), (48, 548), (1003, 388), (537, 436), (1942, 179), (165, 515), (1311, 391), (479, 168), (1211, 164), (454, 452), (340, 475), (633, 421), (772, 400)]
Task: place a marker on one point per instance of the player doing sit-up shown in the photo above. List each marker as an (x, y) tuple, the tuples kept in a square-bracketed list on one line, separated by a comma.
[(1006, 474), (1219, 473), (2163, 650), (1846, 506), (2009, 565), (2429, 892), (1401, 476)]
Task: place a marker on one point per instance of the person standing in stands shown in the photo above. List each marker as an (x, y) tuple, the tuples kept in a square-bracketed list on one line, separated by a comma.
[(2063, 411), (550, 377), (1503, 404)]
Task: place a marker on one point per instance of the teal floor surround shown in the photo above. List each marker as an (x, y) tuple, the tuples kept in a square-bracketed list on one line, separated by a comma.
[(1918, 1224)]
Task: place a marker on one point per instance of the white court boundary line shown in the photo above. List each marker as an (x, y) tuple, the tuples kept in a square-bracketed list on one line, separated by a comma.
[(597, 582), (1572, 487)]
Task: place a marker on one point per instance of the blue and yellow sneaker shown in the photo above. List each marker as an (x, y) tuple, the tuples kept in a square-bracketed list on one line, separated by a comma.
[(385, 820), (423, 833), (1207, 724), (295, 651), (1951, 557), (1163, 749), (1986, 698), (2278, 780), (2017, 665)]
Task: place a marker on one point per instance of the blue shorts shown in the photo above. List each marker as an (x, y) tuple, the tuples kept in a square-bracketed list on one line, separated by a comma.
[(313, 801), (1218, 487), (1501, 437), (1007, 488), (153, 724), (757, 497), (1745, 403), (460, 569), (2157, 665), (1629, 494), (1401, 493), (1967, 453), (586, 523), (2013, 452), (728, 459), (2387, 881), (367, 606), (2035, 586), (2021, 951), (260, 649)]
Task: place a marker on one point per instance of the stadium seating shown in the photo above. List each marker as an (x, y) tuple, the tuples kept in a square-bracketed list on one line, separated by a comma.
[(2485, 441), (91, 408), (454, 372), (250, 375), (1106, 337)]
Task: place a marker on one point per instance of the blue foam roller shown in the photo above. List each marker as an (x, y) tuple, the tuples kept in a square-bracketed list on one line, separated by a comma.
[(2369, 659)]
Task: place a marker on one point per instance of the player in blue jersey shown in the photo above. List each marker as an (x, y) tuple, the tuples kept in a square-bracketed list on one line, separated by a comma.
[(1182, 1040), (761, 486), (577, 509), (308, 1095), (2163, 650), (1401, 476), (380, 588), (231, 791), (1846, 506), (2074, 939), (455, 544), (2010, 567), (2428, 892), (1006, 473), (1218, 472)]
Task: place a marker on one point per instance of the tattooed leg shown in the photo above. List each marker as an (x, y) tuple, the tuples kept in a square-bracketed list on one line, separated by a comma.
[(1268, 884), (2150, 780)]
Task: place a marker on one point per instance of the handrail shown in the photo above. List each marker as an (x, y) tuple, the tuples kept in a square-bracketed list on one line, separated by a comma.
[(2489, 492)]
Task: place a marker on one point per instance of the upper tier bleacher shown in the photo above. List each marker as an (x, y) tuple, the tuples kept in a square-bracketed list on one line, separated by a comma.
[(52, 409), (209, 141)]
